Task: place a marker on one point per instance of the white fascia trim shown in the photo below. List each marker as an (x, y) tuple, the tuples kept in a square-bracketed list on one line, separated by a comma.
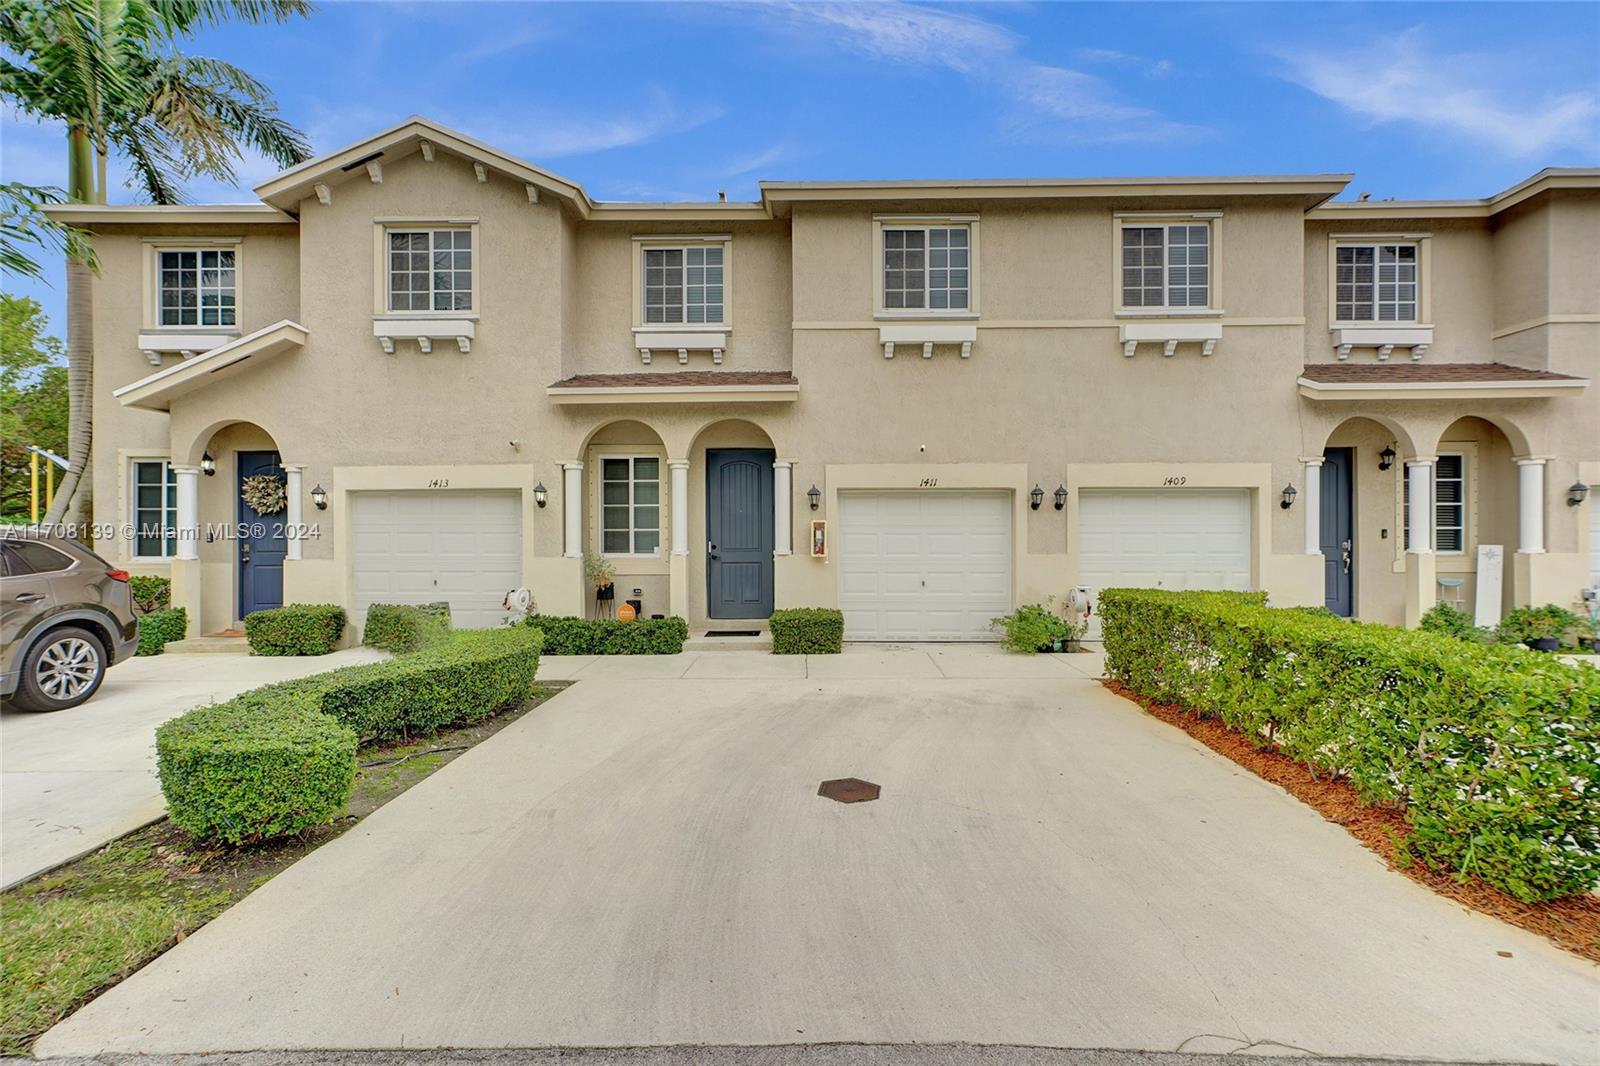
[(656, 394), (937, 332), (925, 217), (1170, 312), (1166, 214), (1434, 390), (683, 238)]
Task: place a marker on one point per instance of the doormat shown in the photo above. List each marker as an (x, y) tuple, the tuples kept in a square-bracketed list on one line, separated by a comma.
[(734, 633)]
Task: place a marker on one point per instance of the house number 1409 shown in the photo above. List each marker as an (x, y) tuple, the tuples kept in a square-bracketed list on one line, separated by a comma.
[(1176, 481)]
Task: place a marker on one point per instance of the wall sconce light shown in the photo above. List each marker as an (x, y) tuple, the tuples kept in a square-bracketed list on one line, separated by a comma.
[(1036, 497), (1386, 457), (1289, 494), (1061, 497), (1577, 493), (815, 496), (541, 495), (208, 464), (319, 498)]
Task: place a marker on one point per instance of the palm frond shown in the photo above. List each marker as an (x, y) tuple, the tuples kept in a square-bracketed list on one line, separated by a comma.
[(24, 226)]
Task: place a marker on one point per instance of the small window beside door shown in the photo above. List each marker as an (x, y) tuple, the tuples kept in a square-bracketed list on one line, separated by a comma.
[(1449, 505), (155, 509), (630, 505)]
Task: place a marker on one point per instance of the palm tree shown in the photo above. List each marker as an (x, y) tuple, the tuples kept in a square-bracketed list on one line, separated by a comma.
[(111, 71)]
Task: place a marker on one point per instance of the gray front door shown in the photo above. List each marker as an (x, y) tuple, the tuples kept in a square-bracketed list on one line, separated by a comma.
[(1338, 532), (738, 533), (262, 544)]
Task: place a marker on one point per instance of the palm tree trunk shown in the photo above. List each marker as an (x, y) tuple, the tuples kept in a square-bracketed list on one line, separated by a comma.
[(74, 500)]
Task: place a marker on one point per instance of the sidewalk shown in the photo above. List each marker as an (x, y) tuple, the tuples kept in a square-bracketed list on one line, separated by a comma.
[(858, 662)]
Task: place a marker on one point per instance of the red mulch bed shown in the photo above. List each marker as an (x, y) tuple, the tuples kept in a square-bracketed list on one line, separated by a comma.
[(1572, 923)]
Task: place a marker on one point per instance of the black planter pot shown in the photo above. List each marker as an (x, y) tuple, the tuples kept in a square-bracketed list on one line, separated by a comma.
[(1543, 643), (606, 592)]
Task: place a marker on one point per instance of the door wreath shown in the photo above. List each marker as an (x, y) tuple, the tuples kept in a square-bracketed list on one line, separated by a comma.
[(264, 493)]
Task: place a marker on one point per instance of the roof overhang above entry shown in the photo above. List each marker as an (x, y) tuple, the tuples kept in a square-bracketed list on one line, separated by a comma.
[(693, 386), (157, 391), (1530, 389)]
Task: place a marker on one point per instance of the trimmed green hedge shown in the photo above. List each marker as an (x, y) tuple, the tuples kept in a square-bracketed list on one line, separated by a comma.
[(298, 629), (403, 627), (150, 592), (1494, 751), (282, 758), (158, 628), (807, 631), (566, 635), (264, 764)]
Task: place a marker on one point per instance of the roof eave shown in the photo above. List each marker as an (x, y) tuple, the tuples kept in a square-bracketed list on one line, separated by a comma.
[(1439, 390), (85, 215)]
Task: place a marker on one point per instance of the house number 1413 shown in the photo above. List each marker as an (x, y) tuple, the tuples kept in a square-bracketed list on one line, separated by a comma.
[(439, 483)]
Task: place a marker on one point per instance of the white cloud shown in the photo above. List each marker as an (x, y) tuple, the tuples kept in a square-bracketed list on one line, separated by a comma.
[(539, 135), (759, 160), (1472, 96), (1049, 102)]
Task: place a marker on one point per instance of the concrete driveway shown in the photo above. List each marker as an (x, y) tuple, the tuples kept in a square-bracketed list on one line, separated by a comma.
[(644, 861), (72, 780)]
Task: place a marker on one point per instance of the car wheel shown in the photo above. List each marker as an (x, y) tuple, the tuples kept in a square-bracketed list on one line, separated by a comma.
[(62, 670)]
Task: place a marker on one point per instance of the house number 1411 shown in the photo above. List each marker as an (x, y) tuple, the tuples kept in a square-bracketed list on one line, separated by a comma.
[(928, 483)]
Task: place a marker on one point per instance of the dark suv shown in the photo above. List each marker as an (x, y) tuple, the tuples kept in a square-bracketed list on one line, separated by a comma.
[(66, 615)]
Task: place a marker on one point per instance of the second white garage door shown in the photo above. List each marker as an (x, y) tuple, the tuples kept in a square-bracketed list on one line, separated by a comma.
[(417, 547), (1163, 538), (923, 565)]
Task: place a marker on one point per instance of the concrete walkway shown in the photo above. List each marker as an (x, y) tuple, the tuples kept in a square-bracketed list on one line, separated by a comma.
[(72, 780), (645, 862)]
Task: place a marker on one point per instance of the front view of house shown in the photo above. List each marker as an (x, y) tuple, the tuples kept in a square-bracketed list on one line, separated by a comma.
[(924, 403)]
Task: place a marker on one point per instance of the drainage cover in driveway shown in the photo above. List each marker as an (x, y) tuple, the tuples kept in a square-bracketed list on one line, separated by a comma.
[(849, 790)]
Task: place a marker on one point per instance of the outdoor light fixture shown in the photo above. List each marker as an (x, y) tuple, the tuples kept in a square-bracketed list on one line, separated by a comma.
[(815, 496), (1386, 457), (1289, 494), (1036, 497), (1061, 497), (541, 495), (208, 464), (1577, 493), (319, 498)]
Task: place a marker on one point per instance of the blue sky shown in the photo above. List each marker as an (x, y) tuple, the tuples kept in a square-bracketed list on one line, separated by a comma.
[(675, 101)]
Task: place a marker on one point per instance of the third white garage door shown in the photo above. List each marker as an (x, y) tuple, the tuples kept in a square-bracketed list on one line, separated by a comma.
[(1163, 538), (929, 565), (418, 547)]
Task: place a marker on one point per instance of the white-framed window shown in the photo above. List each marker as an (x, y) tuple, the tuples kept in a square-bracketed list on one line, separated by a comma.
[(1166, 264), (630, 505), (927, 267), (196, 287), (429, 268), (155, 509), (1376, 282), (684, 284), (1449, 504)]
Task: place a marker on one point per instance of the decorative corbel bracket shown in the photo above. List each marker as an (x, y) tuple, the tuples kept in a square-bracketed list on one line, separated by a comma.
[(533, 192), (927, 349), (427, 150), (153, 356), (387, 344), (888, 349), (716, 356), (375, 172), (683, 357), (1344, 350), (1128, 348), (1169, 348), (426, 344), (966, 349), (465, 344), (1384, 351), (644, 356), (482, 172), (1208, 346), (1417, 351), (324, 193)]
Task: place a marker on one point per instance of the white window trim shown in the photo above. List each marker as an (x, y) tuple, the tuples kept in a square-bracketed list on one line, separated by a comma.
[(654, 241), (1450, 562), (381, 228), (153, 247), (600, 503), (1424, 313), (1144, 220), (883, 222), (133, 507)]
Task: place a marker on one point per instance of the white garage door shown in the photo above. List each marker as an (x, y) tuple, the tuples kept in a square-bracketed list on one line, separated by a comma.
[(923, 565), (417, 547), (1164, 538), (1594, 540)]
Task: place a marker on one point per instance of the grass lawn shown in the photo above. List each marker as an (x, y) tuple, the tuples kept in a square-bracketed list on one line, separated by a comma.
[(80, 929)]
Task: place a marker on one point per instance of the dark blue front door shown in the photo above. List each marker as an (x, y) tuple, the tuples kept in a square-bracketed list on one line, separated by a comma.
[(738, 533), (261, 540), (1338, 533)]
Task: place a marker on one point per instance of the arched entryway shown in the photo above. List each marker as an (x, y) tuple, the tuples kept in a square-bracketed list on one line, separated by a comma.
[(740, 511), (626, 514)]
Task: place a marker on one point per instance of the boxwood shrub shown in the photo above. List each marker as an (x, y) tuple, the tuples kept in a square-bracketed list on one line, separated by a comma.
[(264, 764), (1493, 751), (150, 592), (157, 628), (298, 629), (403, 627), (566, 635), (807, 631)]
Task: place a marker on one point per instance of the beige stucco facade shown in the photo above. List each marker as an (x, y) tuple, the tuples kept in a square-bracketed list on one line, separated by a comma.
[(1033, 385)]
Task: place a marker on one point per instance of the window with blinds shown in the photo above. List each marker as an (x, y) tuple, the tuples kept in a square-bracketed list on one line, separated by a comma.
[(1166, 265), (1375, 282)]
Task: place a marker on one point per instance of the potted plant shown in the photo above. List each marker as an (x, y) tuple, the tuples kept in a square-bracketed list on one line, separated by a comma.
[(601, 573), (1035, 627), (1540, 628)]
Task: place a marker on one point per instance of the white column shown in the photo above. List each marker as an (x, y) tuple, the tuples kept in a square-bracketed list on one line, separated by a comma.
[(188, 511), (1419, 476), (782, 502), (293, 480), (572, 509), (680, 505), (1313, 505), (1530, 512)]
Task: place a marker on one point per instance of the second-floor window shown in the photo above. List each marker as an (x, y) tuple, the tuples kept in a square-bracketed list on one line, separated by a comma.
[(197, 287), (684, 285), (927, 268), (155, 509), (1375, 283), (430, 270), (1166, 265)]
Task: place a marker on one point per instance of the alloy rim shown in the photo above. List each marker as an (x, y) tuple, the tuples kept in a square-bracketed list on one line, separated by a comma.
[(67, 668)]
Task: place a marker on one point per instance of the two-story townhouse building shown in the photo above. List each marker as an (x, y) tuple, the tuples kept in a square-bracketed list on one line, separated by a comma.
[(924, 402)]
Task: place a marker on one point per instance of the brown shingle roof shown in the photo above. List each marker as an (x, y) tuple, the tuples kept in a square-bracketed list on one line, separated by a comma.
[(699, 379), (1424, 373)]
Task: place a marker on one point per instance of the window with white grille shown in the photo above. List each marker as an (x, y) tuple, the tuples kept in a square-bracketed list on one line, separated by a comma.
[(197, 287), (1166, 265), (630, 505), (430, 270), (1375, 282), (685, 285), (927, 268), (155, 509)]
